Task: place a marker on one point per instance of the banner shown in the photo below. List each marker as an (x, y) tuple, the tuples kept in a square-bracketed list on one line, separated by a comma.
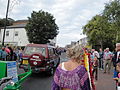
[(12, 70), (88, 66)]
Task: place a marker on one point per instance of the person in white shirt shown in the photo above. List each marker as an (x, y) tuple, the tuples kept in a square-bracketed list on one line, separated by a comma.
[(95, 53), (107, 60)]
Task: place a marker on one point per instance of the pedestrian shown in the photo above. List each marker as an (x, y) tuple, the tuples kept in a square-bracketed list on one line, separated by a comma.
[(71, 75), (101, 53), (95, 53), (116, 72), (7, 50), (14, 54), (95, 68), (20, 54), (107, 60), (11, 53), (115, 57), (4, 54), (116, 75)]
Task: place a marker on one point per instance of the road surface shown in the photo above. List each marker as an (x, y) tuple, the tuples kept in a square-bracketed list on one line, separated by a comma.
[(43, 82)]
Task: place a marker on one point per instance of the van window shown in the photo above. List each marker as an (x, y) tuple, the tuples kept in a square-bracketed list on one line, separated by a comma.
[(32, 50)]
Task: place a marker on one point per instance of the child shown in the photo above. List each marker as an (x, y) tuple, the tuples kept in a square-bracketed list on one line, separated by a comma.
[(95, 68), (117, 72), (116, 76)]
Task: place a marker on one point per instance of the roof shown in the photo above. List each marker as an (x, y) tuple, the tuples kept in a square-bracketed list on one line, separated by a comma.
[(21, 21), (15, 26), (40, 45)]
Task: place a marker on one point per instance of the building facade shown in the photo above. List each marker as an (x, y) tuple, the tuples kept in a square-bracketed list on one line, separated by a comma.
[(16, 34)]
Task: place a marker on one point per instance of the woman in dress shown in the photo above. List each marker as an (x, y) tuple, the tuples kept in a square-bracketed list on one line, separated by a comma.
[(72, 75)]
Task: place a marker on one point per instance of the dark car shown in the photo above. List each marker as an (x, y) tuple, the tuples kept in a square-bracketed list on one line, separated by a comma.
[(41, 57)]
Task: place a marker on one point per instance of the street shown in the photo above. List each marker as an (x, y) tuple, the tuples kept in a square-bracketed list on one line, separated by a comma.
[(34, 33), (39, 81), (43, 82)]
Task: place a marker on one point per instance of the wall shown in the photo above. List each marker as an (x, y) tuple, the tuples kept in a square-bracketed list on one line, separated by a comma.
[(20, 40)]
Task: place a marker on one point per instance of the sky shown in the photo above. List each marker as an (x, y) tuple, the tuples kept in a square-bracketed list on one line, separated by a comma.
[(70, 15)]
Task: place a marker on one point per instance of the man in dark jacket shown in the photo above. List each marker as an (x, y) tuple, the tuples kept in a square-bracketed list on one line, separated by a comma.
[(101, 53), (116, 55), (116, 59)]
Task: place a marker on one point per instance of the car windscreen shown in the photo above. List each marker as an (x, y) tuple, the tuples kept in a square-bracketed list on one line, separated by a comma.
[(33, 50)]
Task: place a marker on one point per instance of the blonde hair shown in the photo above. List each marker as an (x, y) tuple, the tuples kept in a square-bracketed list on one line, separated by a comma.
[(76, 53)]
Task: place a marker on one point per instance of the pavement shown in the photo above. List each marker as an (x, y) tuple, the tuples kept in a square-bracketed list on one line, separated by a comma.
[(105, 81)]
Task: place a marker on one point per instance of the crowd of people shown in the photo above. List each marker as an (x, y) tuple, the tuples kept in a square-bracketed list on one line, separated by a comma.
[(101, 60), (72, 75), (10, 53)]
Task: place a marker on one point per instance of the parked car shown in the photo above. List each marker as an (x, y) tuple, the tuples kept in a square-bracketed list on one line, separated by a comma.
[(41, 57)]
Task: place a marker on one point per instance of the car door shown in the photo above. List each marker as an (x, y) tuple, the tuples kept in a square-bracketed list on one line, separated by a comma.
[(53, 56)]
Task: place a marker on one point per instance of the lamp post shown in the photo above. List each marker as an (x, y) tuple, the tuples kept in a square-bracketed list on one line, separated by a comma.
[(5, 22)]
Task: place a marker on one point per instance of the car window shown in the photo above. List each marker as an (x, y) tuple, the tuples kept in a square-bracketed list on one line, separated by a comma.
[(32, 50), (51, 51)]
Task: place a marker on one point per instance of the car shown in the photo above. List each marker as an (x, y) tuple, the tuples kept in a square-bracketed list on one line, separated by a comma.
[(41, 57)]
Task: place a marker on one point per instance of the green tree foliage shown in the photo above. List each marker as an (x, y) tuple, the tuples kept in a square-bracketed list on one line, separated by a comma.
[(9, 22), (41, 27), (104, 29), (97, 30), (112, 12)]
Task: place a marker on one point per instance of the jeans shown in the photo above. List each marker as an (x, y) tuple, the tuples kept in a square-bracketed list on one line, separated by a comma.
[(101, 63), (95, 70), (107, 62)]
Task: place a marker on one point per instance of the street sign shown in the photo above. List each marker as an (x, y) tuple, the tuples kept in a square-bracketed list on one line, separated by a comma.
[(8, 69)]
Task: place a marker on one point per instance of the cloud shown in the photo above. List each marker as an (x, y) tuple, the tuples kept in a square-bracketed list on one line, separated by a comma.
[(71, 15)]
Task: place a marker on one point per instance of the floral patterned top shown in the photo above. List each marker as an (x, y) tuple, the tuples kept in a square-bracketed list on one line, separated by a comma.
[(76, 79)]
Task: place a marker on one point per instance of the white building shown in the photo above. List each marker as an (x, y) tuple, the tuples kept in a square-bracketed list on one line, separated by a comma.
[(16, 34), (83, 41)]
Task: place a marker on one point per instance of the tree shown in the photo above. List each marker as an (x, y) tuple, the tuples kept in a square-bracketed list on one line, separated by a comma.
[(9, 22), (112, 12), (98, 32), (41, 27), (104, 29)]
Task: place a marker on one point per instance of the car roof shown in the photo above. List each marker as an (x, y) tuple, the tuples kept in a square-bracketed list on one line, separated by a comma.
[(40, 45)]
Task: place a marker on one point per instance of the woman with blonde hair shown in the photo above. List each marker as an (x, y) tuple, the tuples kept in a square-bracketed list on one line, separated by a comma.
[(71, 75)]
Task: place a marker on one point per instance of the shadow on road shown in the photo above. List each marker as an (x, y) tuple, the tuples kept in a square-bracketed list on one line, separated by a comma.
[(40, 75)]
